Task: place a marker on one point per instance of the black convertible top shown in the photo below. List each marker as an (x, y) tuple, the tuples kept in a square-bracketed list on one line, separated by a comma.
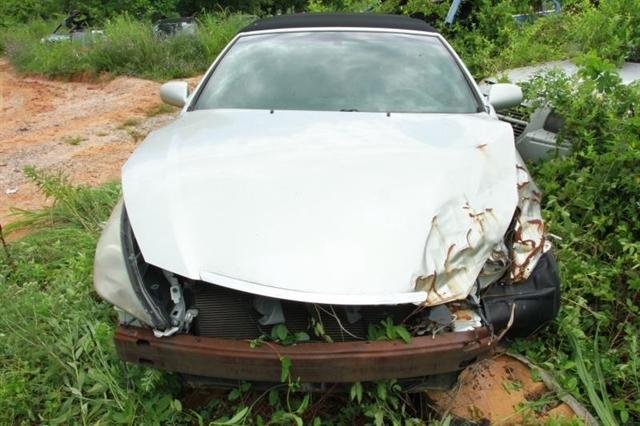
[(362, 20)]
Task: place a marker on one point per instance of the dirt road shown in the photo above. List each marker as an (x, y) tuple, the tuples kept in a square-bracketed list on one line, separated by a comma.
[(86, 129)]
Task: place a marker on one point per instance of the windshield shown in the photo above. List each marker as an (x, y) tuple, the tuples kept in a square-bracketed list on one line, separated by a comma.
[(339, 71)]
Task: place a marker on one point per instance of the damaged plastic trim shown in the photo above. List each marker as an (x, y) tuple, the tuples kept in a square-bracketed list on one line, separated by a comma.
[(131, 261), (536, 300)]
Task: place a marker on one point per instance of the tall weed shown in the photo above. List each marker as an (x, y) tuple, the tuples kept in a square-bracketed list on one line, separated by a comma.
[(78, 205)]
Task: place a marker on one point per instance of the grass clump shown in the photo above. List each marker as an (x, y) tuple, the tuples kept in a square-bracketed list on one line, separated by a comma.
[(78, 205), (73, 140), (57, 361), (160, 109), (129, 122)]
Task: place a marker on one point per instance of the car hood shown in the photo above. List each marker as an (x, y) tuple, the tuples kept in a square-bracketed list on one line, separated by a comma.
[(325, 207)]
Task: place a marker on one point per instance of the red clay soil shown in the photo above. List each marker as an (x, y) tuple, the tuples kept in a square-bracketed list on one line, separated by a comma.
[(72, 126), (500, 391)]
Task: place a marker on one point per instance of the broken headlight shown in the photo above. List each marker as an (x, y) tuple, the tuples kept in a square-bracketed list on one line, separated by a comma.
[(117, 275)]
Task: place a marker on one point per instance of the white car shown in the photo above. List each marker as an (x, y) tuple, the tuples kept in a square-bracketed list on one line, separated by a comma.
[(337, 174)]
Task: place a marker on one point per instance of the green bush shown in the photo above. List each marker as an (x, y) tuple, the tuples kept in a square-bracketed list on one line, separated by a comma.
[(612, 29), (13, 12), (592, 200)]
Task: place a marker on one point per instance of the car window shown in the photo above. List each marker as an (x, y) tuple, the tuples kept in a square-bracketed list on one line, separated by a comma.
[(339, 71)]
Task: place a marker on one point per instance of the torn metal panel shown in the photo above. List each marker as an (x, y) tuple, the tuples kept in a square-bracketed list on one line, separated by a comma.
[(461, 239), (525, 241), (528, 239)]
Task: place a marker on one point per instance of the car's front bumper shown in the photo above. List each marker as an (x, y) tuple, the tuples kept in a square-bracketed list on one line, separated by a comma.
[(319, 362)]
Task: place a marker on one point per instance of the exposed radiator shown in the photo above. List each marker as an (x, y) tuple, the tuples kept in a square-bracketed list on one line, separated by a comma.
[(229, 313)]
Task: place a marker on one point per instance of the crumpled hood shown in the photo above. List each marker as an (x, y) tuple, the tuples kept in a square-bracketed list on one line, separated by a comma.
[(325, 207)]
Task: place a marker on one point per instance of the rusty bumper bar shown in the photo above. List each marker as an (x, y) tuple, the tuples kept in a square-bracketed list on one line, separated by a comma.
[(315, 362)]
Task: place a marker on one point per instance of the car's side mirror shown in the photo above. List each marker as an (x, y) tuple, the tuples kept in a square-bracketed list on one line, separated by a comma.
[(504, 95), (174, 93)]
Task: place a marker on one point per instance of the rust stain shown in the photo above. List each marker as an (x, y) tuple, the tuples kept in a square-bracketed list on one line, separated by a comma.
[(467, 237), (360, 361), (434, 287), (446, 259), (520, 269), (538, 223), (477, 217)]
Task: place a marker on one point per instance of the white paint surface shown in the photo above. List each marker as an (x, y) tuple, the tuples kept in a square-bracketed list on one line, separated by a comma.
[(327, 207)]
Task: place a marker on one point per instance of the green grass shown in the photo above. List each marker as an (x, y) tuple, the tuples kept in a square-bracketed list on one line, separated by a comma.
[(57, 361), (160, 109), (79, 205), (73, 140), (129, 122), (129, 48)]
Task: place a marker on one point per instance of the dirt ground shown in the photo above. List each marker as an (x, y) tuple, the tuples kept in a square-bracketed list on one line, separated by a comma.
[(88, 130), (501, 391)]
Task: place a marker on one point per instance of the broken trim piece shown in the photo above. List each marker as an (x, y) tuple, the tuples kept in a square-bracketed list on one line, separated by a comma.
[(181, 317), (536, 300), (127, 240)]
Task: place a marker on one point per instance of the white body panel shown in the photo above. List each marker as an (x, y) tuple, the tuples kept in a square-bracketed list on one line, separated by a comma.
[(325, 207)]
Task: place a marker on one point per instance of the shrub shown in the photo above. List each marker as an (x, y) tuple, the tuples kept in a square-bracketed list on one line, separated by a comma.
[(612, 29), (592, 200)]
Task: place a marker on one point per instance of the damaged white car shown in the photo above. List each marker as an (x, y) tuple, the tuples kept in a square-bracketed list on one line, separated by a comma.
[(330, 172)]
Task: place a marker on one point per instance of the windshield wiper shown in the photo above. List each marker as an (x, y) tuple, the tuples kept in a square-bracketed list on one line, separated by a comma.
[(348, 110)]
